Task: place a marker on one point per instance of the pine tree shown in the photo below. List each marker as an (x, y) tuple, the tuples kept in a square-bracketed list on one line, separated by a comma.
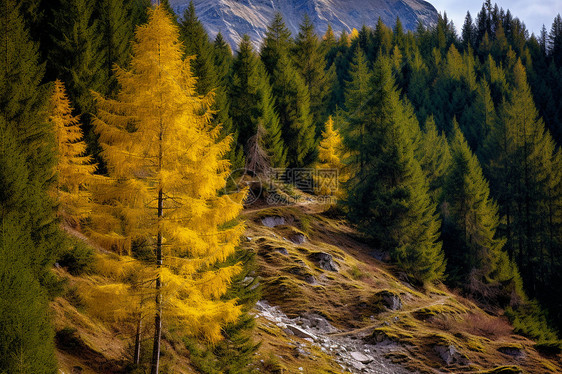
[(138, 12), (479, 118), (388, 197), (330, 167), (196, 43), (357, 93), (163, 154), (204, 65), (473, 250), (252, 103), (29, 235), (74, 168), (521, 159), (555, 40), (223, 61), (309, 62), (26, 336), (22, 106), (434, 157), (116, 33), (468, 32), (277, 42), (77, 55), (292, 102)]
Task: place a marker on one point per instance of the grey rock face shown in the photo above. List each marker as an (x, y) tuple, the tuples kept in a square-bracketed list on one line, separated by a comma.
[(273, 221), (324, 261), (234, 18)]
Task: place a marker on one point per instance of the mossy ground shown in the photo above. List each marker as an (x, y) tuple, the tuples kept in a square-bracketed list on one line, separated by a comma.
[(349, 298)]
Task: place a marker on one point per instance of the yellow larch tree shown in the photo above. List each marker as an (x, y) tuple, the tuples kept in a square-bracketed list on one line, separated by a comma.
[(330, 167), (165, 160), (75, 170)]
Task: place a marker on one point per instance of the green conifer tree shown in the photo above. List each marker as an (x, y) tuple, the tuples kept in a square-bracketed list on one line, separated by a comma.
[(116, 32), (26, 336), (277, 42), (357, 93), (77, 56), (292, 102), (252, 103), (292, 99), (197, 44), (223, 61), (434, 157), (29, 234), (309, 62), (522, 168), (388, 197), (473, 250)]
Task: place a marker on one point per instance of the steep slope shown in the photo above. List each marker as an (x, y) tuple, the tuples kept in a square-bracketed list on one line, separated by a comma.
[(235, 18), (331, 304)]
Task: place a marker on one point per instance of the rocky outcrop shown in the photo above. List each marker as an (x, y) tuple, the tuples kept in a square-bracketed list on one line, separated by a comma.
[(234, 18), (324, 261), (273, 221)]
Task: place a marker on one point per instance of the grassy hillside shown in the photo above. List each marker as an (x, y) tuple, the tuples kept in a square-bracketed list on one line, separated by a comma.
[(313, 266)]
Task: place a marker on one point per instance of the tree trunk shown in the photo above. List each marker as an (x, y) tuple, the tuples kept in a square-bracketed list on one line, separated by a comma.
[(136, 359), (158, 318)]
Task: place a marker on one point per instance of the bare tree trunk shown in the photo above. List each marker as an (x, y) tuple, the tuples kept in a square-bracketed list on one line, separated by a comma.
[(158, 319), (136, 359)]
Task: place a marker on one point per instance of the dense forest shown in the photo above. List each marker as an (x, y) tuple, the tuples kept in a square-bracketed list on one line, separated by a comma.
[(123, 122)]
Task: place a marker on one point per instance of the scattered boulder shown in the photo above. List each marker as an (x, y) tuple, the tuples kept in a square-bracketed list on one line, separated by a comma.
[(390, 300), (511, 350), (297, 238), (310, 279), (357, 365), (300, 352), (324, 261), (297, 331), (320, 323), (362, 358), (282, 250), (273, 221), (449, 354)]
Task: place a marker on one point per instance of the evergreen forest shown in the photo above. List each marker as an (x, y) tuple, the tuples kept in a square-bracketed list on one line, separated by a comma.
[(122, 121)]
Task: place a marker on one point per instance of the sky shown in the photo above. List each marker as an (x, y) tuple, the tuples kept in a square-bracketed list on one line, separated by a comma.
[(532, 12)]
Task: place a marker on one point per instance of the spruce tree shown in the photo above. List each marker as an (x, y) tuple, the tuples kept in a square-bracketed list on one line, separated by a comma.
[(29, 232), (471, 218), (223, 61), (309, 62), (434, 157), (77, 56), (388, 197), (277, 42), (26, 336), (252, 103), (357, 92), (22, 106), (197, 44), (292, 102), (521, 163), (292, 99), (116, 32)]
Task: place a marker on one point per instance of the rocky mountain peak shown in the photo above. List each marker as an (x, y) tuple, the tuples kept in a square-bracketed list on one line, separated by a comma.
[(234, 18)]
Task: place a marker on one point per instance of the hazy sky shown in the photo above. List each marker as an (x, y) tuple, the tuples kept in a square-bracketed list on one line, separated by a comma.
[(534, 13)]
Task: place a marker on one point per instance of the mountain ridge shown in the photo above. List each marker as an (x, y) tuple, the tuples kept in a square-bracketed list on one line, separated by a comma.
[(235, 18)]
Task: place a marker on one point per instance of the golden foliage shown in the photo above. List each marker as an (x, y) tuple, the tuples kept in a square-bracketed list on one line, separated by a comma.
[(164, 155), (330, 154), (74, 168)]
